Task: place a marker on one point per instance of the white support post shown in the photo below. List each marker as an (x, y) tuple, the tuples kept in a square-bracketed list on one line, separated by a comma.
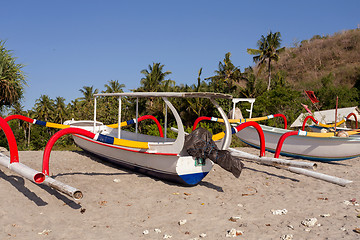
[(165, 122), (227, 139), (137, 115), (233, 113), (119, 118), (94, 115), (250, 100), (251, 108)]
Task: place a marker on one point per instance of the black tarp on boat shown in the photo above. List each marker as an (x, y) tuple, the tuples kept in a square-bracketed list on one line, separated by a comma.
[(200, 145)]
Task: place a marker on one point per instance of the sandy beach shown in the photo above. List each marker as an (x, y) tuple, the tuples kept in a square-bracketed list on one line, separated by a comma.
[(264, 203)]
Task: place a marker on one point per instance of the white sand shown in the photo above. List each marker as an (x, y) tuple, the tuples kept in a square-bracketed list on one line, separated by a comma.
[(134, 203)]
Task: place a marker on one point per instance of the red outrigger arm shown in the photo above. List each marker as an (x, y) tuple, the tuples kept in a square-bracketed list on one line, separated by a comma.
[(239, 128), (317, 122), (14, 163), (155, 120), (54, 138), (281, 141), (14, 154), (29, 173), (21, 117), (260, 132)]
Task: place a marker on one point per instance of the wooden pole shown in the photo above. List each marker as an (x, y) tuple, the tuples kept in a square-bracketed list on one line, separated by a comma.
[(337, 99)]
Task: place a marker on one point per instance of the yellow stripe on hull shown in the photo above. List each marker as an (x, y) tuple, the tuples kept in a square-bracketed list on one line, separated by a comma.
[(56, 125), (130, 143)]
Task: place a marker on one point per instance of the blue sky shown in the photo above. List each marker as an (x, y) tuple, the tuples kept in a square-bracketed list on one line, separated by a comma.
[(66, 45)]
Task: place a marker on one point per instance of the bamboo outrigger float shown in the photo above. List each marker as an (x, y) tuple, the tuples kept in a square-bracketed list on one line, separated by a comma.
[(13, 164)]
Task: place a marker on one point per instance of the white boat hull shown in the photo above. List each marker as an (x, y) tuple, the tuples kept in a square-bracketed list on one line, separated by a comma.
[(157, 156), (313, 148), (172, 167)]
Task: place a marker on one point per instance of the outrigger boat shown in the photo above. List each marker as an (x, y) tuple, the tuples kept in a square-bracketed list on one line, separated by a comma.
[(297, 144), (302, 144), (161, 157)]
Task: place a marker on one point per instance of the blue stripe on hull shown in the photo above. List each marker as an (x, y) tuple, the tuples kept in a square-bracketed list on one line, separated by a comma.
[(301, 156), (193, 178)]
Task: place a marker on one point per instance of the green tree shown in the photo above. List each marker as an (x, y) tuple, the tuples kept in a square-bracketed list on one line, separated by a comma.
[(87, 101), (154, 81), (196, 105), (114, 87), (60, 109), (74, 109), (154, 78), (269, 49), (108, 106), (18, 127), (88, 93), (44, 108), (280, 99), (254, 86), (348, 97), (227, 73), (12, 79)]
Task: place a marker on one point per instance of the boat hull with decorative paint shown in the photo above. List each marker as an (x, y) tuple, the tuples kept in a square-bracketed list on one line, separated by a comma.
[(307, 147), (156, 156)]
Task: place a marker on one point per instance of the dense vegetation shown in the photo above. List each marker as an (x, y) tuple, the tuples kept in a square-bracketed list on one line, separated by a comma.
[(328, 65)]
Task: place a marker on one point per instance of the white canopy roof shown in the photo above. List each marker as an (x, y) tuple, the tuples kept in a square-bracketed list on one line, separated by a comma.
[(169, 94)]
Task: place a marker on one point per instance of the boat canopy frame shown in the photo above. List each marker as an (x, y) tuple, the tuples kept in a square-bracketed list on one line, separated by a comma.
[(177, 145)]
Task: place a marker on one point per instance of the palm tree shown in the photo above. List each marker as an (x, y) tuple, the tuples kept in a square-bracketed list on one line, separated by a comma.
[(73, 109), (87, 101), (167, 85), (29, 114), (44, 107), (114, 86), (154, 78), (154, 81), (196, 104), (60, 109), (88, 93), (17, 108), (12, 79), (268, 50), (227, 73), (199, 80)]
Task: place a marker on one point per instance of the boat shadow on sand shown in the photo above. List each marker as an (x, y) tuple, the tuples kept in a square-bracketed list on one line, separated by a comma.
[(19, 184), (131, 172), (271, 174)]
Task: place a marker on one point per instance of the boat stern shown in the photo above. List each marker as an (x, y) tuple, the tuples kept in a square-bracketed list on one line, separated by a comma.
[(192, 170)]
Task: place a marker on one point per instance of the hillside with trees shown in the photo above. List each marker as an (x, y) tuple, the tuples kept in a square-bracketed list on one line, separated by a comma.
[(328, 65), (311, 60)]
